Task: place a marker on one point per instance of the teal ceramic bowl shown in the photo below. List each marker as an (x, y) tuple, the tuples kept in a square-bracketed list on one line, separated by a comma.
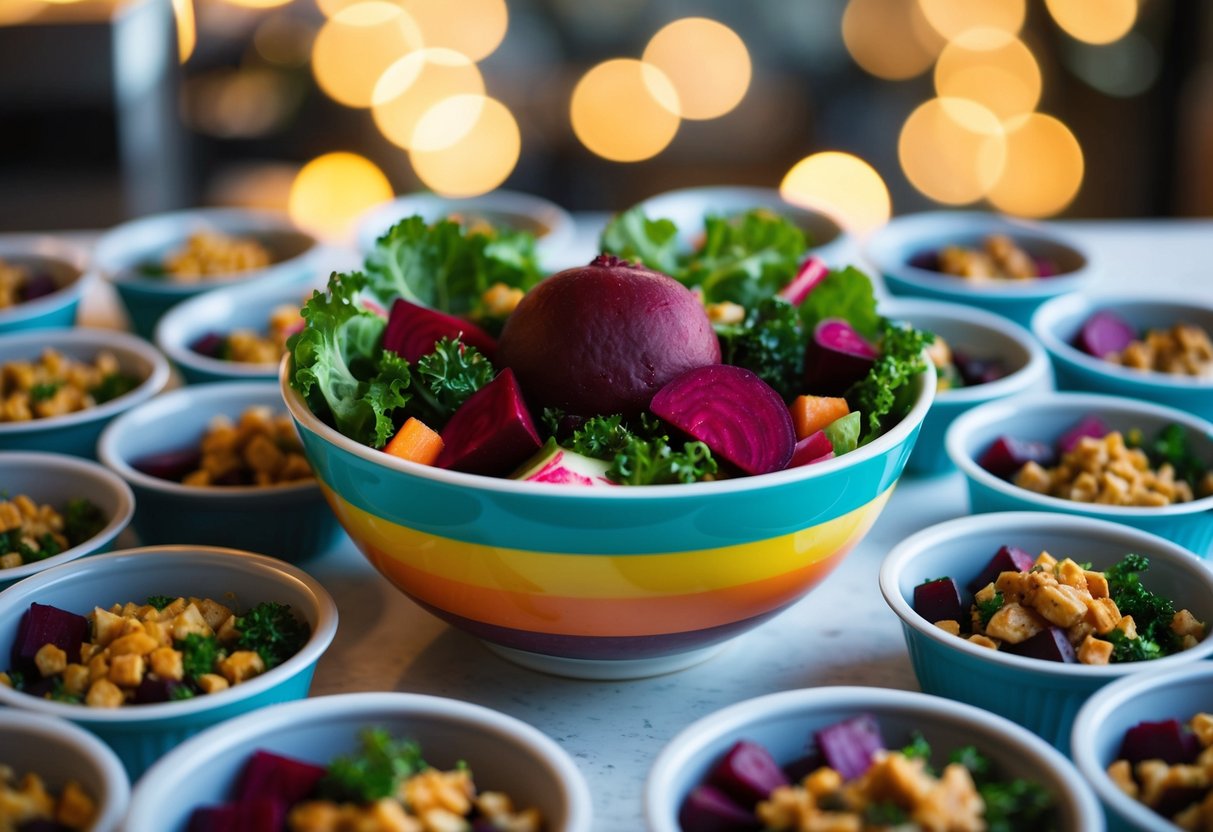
[(611, 582), (688, 207), (54, 479), (288, 521), (59, 752), (503, 753), (1058, 322), (552, 226), (1042, 696), (981, 335), (784, 724), (76, 433), (122, 252), (1179, 693), (49, 258), (141, 734), (900, 249), (220, 313), (1044, 419)]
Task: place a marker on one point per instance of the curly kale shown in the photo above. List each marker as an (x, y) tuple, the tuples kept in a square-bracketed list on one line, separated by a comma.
[(44, 546), (374, 772), (159, 601), (1173, 446), (199, 654), (644, 456), (271, 630), (45, 390), (1010, 805), (445, 379), (771, 343), (82, 519), (1152, 614), (882, 393), (987, 608), (112, 386)]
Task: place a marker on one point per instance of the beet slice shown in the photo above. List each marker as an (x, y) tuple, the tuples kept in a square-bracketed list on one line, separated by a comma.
[(816, 447), (732, 411), (43, 624), (211, 345), (152, 690), (811, 272), (39, 285), (1006, 559), (837, 356), (412, 331), (938, 600), (849, 746), (802, 767), (928, 260), (1167, 740), (974, 371), (169, 465), (1177, 798), (274, 777), (258, 815), (1006, 455), (708, 809), (1052, 645), (1091, 426), (1105, 333), (491, 433), (747, 772), (1046, 267)]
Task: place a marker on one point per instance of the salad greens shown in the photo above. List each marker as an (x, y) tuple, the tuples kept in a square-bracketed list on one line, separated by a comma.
[(1151, 613), (375, 771), (272, 631), (1171, 446), (643, 457)]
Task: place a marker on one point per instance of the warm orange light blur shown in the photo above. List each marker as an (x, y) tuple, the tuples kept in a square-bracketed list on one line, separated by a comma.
[(187, 32), (257, 4), (332, 7), (473, 27), (843, 186), (355, 47), (954, 17), (953, 150), (1094, 21), (707, 63), (1044, 168), (284, 39), (417, 82), (18, 11), (890, 38), (332, 190), (480, 159), (991, 67), (623, 110)]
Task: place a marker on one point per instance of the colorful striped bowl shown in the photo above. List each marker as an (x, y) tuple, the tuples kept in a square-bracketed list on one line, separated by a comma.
[(604, 583)]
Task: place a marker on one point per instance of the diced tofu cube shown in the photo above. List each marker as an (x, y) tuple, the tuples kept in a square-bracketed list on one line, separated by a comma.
[(983, 641), (1186, 624), (167, 663), (1012, 585), (104, 694), (1103, 614), (1121, 773), (76, 679), (213, 613), (949, 626), (1071, 574), (76, 809), (132, 625), (190, 621), (1097, 584), (127, 670), (1014, 623), (985, 594), (241, 666), (212, 683), (1127, 626), (1202, 727), (227, 632), (98, 667), (135, 644), (50, 660), (162, 632), (1094, 651), (1061, 605), (106, 626), (1044, 559)]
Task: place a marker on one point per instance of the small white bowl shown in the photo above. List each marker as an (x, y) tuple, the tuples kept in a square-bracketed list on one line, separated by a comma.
[(688, 207), (1179, 693), (504, 753), (65, 263), (784, 722), (58, 751), (552, 226)]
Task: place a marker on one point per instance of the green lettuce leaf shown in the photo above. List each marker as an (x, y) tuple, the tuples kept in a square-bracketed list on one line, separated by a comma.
[(653, 243), (843, 433), (847, 294), (746, 258)]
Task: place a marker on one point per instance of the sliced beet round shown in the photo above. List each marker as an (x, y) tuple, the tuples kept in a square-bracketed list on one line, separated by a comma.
[(1105, 333), (837, 356), (735, 413), (412, 331), (279, 778), (491, 433)]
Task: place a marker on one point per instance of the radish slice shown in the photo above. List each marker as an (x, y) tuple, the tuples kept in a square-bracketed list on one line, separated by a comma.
[(836, 358), (810, 273)]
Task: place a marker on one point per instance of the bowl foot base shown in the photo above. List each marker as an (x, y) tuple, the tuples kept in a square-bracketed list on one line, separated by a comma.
[(604, 670)]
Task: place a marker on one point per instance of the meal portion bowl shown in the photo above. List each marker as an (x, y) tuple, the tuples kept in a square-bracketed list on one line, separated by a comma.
[(504, 754), (1058, 323), (222, 312), (1042, 696), (980, 334), (893, 249), (552, 226), (615, 582), (140, 734), (53, 479), (688, 207), (784, 724), (123, 250), (289, 521), (1179, 693), (64, 264), (58, 752), (1044, 419), (76, 433)]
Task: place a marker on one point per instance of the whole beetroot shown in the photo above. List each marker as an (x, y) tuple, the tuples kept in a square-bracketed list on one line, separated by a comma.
[(604, 338)]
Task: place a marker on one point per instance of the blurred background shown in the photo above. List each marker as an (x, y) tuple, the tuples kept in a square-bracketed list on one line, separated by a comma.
[(1039, 108)]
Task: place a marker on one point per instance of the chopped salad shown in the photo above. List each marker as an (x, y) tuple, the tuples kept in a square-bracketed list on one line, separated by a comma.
[(30, 532), (56, 384), (206, 255), (27, 804), (1168, 766)]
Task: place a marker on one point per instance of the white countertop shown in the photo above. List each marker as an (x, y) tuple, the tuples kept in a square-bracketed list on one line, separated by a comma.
[(841, 633)]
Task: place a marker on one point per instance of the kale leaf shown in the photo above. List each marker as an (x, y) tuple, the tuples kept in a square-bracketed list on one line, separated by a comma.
[(987, 608), (1152, 614), (745, 259), (112, 386), (271, 630), (374, 772), (643, 457), (880, 394), (652, 243), (82, 519), (445, 379), (847, 294), (771, 343), (199, 654)]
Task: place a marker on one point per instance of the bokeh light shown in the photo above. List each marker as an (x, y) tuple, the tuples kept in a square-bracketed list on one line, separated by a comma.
[(331, 8), (1044, 168), (480, 159), (890, 38), (707, 63), (356, 46), (991, 67), (953, 150), (624, 110), (18, 11), (1094, 21), (843, 186), (417, 82), (187, 31), (258, 4), (284, 39), (952, 18), (472, 27), (333, 190)]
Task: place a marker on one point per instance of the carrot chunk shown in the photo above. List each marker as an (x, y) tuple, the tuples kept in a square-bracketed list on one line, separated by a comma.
[(812, 413), (415, 441)]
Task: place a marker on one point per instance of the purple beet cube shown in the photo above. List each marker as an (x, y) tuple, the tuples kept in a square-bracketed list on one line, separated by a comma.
[(210, 345), (151, 691), (1091, 426), (849, 746), (240, 816), (1052, 645), (1006, 559), (708, 809), (43, 624), (938, 600), (975, 371), (1177, 798), (747, 773), (274, 777), (1167, 740), (928, 260), (39, 285), (169, 465), (802, 767), (1006, 455)]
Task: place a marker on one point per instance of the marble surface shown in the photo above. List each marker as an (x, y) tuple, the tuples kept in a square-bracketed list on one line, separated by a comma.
[(842, 633)]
